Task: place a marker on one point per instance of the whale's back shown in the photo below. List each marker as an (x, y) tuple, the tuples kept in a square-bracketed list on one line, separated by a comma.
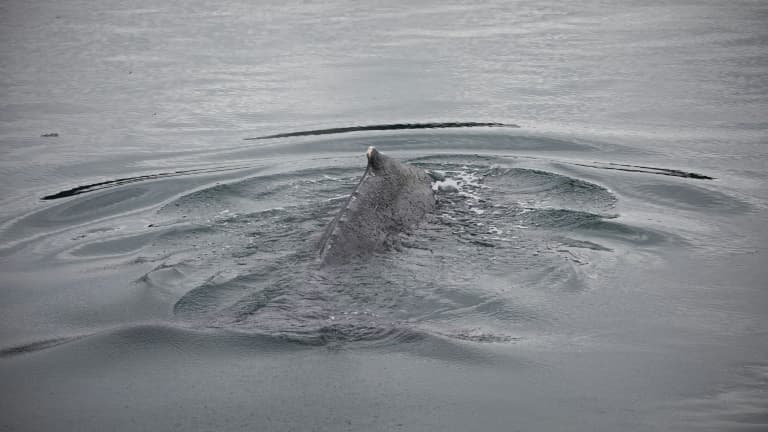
[(390, 198)]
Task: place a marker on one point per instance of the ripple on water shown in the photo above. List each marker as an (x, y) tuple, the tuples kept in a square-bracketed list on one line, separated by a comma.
[(436, 279), (690, 197), (740, 406), (239, 255)]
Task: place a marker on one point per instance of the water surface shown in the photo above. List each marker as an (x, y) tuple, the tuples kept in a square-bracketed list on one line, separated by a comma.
[(599, 267)]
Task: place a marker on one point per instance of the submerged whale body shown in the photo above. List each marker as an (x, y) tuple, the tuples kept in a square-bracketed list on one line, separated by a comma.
[(390, 198)]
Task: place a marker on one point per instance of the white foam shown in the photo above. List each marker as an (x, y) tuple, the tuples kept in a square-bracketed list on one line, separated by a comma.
[(447, 185), (461, 182)]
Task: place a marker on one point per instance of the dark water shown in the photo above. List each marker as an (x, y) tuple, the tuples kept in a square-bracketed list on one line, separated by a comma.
[(600, 267)]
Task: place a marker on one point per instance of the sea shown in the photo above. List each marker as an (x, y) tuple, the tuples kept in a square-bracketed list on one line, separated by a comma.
[(597, 259)]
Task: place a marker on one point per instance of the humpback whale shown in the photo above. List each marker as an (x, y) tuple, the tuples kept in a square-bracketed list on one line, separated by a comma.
[(390, 198)]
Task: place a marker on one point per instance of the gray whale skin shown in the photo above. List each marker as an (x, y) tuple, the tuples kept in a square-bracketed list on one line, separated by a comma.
[(390, 198)]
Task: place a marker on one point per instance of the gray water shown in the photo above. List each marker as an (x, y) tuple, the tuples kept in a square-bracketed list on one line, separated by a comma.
[(600, 267)]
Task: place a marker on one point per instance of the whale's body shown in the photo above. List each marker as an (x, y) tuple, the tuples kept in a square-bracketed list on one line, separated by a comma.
[(390, 198)]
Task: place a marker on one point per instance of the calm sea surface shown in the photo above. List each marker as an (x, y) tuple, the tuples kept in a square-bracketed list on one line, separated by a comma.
[(601, 267)]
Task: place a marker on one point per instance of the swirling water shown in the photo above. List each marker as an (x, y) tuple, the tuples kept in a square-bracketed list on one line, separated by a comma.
[(599, 267)]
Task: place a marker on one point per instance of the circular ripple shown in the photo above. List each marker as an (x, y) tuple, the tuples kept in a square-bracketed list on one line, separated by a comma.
[(471, 270)]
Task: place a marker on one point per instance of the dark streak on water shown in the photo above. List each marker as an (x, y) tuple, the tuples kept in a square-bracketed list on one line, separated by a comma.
[(649, 170), (385, 127), (36, 346), (126, 180)]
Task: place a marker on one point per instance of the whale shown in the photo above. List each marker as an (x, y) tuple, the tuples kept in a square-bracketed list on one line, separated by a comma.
[(391, 198)]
